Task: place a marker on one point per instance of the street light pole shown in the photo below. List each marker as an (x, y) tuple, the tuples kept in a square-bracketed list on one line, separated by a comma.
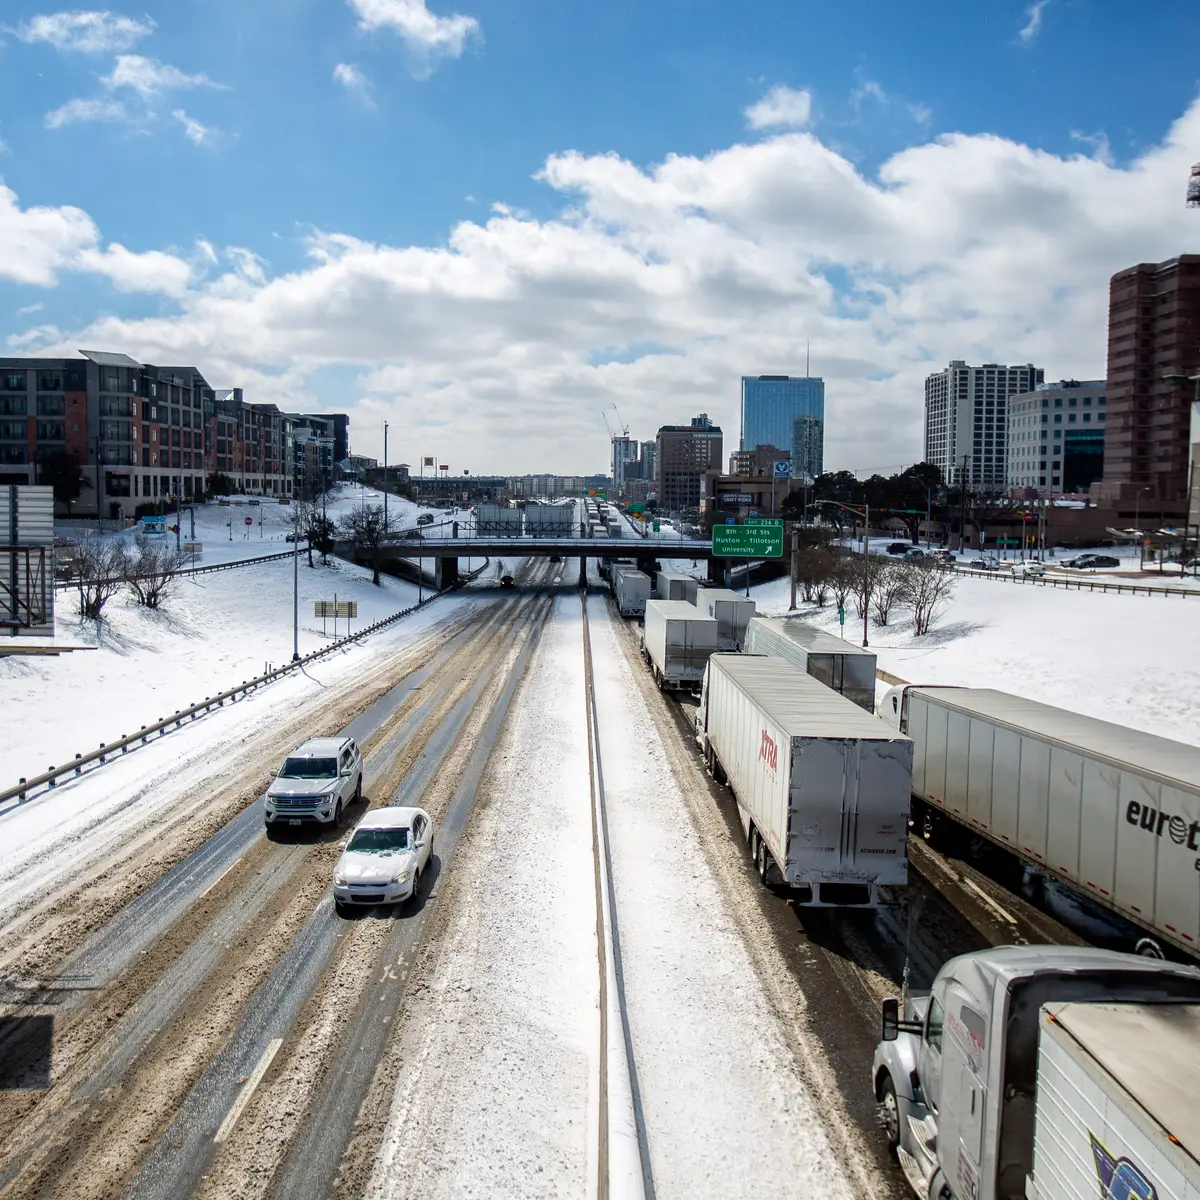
[(385, 478), (866, 563), (295, 585)]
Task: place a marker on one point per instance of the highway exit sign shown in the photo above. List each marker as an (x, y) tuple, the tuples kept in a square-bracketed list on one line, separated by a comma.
[(765, 521), (747, 541)]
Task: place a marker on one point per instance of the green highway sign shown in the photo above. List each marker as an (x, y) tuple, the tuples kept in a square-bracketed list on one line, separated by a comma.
[(637, 508), (747, 541), (765, 521)]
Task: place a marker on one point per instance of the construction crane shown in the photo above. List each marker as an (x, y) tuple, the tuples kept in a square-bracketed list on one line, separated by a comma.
[(620, 424), (1193, 188), (612, 437)]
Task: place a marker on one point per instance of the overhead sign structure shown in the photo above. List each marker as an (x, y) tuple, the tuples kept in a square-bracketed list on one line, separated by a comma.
[(747, 541)]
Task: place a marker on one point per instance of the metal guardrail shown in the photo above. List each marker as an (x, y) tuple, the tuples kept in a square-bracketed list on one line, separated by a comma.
[(1090, 583), (21, 791), (66, 584)]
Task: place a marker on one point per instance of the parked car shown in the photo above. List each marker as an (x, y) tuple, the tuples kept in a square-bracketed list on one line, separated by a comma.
[(316, 783), (1091, 561), (383, 859), (898, 548), (1104, 560), (943, 558), (410, 535), (425, 519), (983, 564), (915, 554), (293, 537)]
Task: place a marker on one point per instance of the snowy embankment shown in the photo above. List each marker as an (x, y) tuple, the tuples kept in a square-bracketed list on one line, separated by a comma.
[(1134, 660), (212, 632)]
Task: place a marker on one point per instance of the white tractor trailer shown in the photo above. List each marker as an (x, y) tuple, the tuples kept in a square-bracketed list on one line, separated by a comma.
[(1112, 813), (822, 788)]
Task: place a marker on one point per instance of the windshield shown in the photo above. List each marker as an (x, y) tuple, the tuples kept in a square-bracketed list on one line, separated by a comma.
[(379, 839), (309, 768)]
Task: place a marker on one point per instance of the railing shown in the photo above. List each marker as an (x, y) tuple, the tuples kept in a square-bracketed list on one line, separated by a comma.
[(64, 584), (21, 792), (1090, 583)]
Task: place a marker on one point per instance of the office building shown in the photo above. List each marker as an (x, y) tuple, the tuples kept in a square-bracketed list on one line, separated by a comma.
[(966, 419), (624, 450), (684, 454), (1153, 356), (758, 462), (649, 457), (785, 410), (1056, 438)]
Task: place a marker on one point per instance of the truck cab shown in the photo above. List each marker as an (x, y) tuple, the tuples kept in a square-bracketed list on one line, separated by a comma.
[(955, 1072)]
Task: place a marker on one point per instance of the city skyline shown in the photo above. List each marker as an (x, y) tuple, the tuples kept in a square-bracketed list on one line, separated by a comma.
[(402, 232)]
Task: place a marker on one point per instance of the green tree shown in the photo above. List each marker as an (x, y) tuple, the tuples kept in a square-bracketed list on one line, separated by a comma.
[(219, 484)]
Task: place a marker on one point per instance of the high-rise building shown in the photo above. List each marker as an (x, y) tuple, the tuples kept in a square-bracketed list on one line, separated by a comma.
[(1056, 437), (683, 454), (779, 409), (1153, 349), (966, 419), (649, 460), (757, 462), (624, 450)]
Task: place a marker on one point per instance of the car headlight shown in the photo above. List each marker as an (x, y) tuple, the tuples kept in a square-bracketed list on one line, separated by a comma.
[(339, 878), (402, 877)]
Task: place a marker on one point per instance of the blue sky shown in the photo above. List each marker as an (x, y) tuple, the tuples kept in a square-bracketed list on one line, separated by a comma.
[(388, 123)]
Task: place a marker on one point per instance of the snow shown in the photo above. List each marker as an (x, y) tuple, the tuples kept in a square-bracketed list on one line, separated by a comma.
[(501, 1035), (1134, 660), (726, 1110)]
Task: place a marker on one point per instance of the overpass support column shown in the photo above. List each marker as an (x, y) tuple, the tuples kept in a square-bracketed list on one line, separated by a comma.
[(716, 572), (447, 573), (582, 573)]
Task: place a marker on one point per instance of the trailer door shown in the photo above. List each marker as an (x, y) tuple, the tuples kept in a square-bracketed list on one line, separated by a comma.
[(817, 829), (880, 819)]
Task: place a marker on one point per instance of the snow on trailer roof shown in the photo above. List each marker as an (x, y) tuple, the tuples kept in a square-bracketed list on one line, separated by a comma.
[(801, 705), (1152, 1050), (1170, 761), (815, 640)]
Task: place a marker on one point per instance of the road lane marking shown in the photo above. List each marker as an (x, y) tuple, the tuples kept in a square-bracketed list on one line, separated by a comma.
[(247, 1091)]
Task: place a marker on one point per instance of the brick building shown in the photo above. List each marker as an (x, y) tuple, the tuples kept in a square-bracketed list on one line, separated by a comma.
[(683, 456)]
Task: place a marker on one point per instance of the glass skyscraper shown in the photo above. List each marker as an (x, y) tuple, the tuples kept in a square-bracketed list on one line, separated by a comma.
[(786, 411)]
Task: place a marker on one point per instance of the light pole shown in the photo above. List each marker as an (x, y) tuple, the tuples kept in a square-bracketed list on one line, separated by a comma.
[(295, 585), (385, 478), (865, 513), (1137, 524)]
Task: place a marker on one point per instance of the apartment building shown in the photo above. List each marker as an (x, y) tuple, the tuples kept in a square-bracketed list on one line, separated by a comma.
[(684, 455)]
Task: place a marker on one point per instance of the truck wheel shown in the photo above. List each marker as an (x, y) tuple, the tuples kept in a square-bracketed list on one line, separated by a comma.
[(889, 1109), (761, 855), (358, 790), (337, 815), (1147, 947)]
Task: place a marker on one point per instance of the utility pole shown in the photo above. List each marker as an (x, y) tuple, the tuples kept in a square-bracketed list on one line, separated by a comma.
[(295, 585), (866, 564), (178, 518), (962, 506), (928, 514), (385, 478), (795, 567)]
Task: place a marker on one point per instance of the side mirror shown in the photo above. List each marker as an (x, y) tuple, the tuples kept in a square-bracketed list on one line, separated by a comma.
[(891, 1019)]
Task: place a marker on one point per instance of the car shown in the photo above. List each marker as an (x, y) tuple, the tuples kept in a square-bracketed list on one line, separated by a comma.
[(292, 537), (410, 535), (555, 558), (943, 558), (316, 783), (1104, 560), (425, 519), (914, 554), (898, 548), (383, 859), (983, 564), (507, 581), (1031, 570)]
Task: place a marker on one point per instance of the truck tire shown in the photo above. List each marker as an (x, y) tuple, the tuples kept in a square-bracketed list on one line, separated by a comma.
[(358, 789), (337, 815), (761, 856), (889, 1112), (1147, 947)]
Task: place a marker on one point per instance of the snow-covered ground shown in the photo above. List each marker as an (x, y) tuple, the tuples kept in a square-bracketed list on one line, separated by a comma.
[(214, 631), (1134, 660)]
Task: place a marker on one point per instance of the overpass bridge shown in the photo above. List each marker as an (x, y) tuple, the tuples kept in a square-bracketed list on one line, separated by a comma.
[(644, 551)]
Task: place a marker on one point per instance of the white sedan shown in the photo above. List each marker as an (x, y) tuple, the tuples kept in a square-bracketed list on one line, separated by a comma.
[(382, 860)]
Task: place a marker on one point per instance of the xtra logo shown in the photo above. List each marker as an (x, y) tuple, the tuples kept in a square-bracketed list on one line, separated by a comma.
[(1120, 1179), (768, 751)]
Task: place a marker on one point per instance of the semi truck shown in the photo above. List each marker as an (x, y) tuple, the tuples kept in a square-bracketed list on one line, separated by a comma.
[(733, 613), (1112, 813), (822, 789), (677, 640), (673, 585), (1045, 1073), (631, 589), (838, 664)]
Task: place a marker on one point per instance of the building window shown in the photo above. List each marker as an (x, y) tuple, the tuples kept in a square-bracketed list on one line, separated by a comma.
[(51, 431), (1100, 416), (1058, 418), (1071, 419), (12, 381), (116, 406), (49, 381), (13, 406)]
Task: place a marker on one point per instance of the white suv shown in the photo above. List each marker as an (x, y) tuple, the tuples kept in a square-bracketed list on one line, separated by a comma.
[(315, 783)]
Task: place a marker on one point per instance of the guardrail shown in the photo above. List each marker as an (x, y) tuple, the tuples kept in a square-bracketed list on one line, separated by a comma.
[(61, 585), (1090, 583), (22, 790)]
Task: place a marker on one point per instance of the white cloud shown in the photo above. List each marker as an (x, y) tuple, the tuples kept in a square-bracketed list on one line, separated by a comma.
[(88, 32), (871, 91), (95, 109), (26, 309), (781, 108), (351, 78), (148, 78), (966, 246), (427, 36), (1033, 21), (193, 130)]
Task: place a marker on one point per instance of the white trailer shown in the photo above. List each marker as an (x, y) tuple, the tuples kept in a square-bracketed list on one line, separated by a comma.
[(677, 640), (1117, 1111), (1112, 812), (822, 788), (733, 613), (615, 528), (632, 590), (838, 664), (674, 585)]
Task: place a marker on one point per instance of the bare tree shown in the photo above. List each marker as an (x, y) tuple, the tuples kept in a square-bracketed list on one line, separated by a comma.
[(890, 589), (928, 589), (865, 573), (841, 579), (152, 575), (369, 533), (100, 566)]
